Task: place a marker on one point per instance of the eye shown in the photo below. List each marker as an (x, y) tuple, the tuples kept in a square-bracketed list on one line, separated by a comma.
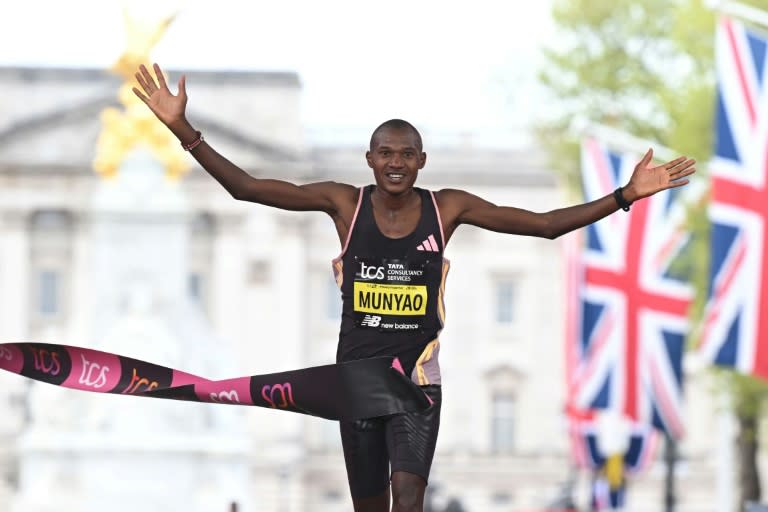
[(409, 154)]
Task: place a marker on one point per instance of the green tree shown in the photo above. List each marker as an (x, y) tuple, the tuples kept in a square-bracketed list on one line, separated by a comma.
[(647, 68)]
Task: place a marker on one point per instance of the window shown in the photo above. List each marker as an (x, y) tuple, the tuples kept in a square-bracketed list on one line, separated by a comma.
[(48, 292), (505, 301), (50, 260), (332, 495), (195, 286), (259, 273), (500, 498), (201, 236), (503, 423)]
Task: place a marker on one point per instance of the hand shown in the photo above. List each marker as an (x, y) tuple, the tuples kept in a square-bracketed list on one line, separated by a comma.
[(647, 180), (168, 108)]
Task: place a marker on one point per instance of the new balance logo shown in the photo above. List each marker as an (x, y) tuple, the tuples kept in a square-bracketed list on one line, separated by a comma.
[(430, 244), (371, 321)]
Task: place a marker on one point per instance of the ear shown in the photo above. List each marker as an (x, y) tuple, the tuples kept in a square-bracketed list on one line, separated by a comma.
[(422, 160), (368, 159)]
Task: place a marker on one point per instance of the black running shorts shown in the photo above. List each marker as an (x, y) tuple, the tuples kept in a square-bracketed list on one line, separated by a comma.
[(404, 442)]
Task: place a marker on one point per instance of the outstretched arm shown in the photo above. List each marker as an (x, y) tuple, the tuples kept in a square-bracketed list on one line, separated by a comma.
[(458, 207), (171, 110)]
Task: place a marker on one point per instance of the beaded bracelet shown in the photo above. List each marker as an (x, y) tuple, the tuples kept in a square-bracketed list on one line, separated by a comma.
[(192, 145)]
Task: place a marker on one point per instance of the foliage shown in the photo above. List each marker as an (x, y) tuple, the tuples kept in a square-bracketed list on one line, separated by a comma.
[(617, 63)]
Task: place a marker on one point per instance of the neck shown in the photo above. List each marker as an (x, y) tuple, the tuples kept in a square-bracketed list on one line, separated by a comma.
[(393, 202)]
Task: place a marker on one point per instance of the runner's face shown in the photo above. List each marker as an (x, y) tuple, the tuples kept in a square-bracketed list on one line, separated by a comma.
[(396, 160)]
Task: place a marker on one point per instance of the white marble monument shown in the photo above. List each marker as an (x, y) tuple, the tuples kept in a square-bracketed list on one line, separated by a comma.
[(96, 452)]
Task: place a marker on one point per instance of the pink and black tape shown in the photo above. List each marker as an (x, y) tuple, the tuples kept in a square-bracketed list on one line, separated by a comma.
[(346, 391)]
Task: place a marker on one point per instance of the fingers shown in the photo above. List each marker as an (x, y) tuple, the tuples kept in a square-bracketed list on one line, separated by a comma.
[(678, 178), (145, 80), (683, 164), (673, 163), (143, 83), (678, 183), (183, 87), (141, 96), (160, 76), (683, 173), (647, 158), (148, 79)]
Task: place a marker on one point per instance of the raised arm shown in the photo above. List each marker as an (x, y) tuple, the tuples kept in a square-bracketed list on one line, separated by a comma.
[(332, 198), (458, 207)]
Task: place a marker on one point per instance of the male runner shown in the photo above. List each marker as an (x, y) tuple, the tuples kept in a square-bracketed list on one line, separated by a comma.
[(391, 272)]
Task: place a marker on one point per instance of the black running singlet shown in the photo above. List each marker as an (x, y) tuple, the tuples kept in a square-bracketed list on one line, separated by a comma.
[(392, 290)]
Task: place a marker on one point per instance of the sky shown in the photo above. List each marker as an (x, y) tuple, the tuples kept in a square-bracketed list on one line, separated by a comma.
[(449, 67)]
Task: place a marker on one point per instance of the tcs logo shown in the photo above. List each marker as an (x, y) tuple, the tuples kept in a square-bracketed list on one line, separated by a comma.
[(371, 271)]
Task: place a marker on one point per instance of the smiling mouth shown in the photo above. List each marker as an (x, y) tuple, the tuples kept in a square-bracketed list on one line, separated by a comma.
[(395, 176)]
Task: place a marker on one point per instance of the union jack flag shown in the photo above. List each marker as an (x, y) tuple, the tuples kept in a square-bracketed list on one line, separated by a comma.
[(630, 321), (584, 430), (736, 322)]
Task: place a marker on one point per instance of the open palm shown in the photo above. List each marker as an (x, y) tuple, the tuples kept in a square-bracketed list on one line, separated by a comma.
[(167, 107), (647, 180)]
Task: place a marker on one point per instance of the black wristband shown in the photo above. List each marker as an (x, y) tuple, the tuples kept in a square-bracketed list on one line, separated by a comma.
[(623, 204)]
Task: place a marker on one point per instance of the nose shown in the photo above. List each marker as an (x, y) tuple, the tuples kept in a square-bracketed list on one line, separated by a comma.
[(396, 162)]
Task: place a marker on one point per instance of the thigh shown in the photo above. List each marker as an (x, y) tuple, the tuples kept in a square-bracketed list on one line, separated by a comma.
[(365, 455), (412, 437)]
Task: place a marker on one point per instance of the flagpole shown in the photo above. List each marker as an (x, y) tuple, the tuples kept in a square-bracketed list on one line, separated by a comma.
[(670, 458), (724, 480), (746, 12)]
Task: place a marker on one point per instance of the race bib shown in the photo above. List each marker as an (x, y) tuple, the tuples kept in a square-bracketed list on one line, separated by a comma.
[(390, 295)]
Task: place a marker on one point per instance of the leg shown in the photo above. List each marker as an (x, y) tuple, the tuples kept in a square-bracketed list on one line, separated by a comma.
[(365, 455), (407, 492), (378, 503), (411, 440)]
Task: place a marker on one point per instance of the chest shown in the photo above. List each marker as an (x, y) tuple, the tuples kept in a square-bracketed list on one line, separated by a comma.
[(396, 223)]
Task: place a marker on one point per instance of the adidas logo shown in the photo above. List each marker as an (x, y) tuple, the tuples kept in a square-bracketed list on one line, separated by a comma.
[(430, 245)]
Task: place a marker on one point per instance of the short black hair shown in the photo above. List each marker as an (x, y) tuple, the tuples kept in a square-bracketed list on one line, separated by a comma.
[(397, 124)]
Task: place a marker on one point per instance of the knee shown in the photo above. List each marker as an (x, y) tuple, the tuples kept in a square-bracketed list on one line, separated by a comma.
[(406, 502), (408, 497)]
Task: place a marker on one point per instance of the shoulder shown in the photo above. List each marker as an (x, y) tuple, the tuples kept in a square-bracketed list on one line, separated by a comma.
[(455, 199), (339, 193), (451, 204), (461, 207), (333, 187), (450, 194)]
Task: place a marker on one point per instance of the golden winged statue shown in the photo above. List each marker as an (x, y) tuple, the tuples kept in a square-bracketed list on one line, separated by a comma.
[(134, 125)]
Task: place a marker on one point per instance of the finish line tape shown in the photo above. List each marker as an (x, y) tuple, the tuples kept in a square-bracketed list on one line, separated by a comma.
[(348, 391)]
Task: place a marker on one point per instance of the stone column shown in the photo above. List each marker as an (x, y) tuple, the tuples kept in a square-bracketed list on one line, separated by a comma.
[(14, 326), (78, 331), (291, 290), (14, 276), (14, 312), (228, 279)]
